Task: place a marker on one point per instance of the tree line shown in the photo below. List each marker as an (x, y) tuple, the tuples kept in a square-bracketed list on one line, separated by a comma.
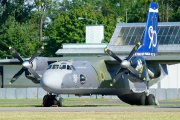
[(28, 24)]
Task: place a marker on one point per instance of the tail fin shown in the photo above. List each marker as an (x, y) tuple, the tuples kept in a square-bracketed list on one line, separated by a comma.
[(150, 45)]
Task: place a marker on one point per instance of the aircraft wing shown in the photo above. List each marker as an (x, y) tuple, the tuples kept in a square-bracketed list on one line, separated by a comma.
[(10, 62), (17, 62), (163, 59)]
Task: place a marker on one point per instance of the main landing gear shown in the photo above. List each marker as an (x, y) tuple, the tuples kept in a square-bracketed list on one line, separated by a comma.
[(139, 99), (148, 100), (52, 100)]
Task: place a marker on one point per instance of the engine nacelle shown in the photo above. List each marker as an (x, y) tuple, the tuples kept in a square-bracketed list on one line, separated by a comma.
[(154, 70), (139, 63), (40, 63)]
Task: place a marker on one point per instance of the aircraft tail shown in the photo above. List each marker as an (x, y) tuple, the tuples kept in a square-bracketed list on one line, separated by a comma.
[(149, 44)]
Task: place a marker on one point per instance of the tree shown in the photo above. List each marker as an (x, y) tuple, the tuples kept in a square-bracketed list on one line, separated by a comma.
[(23, 23), (68, 29), (22, 37), (173, 11)]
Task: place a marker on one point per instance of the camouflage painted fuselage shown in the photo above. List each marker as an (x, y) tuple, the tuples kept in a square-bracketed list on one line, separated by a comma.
[(90, 77)]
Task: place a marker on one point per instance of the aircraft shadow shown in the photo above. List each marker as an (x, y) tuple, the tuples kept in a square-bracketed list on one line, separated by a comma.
[(79, 105)]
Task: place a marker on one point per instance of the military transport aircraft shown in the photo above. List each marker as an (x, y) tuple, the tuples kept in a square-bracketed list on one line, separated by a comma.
[(128, 78)]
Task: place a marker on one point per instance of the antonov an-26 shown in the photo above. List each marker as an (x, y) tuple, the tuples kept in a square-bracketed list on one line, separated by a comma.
[(128, 78)]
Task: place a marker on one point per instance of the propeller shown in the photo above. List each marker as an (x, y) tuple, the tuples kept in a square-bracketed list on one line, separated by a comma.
[(125, 64), (26, 64)]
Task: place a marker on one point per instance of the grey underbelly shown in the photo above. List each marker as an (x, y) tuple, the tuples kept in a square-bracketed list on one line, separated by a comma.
[(102, 91)]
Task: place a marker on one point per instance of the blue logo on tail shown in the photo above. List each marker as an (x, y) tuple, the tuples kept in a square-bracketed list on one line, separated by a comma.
[(152, 37), (150, 45)]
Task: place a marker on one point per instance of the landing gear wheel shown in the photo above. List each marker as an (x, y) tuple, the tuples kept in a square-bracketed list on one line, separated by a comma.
[(151, 99), (55, 102), (46, 101), (49, 100), (143, 99), (60, 102)]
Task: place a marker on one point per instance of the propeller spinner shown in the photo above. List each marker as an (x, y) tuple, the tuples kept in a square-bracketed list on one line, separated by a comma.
[(26, 65), (125, 64)]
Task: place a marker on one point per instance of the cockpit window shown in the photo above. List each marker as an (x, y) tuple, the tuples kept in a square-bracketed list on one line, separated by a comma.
[(62, 67), (55, 66), (49, 67), (72, 67), (68, 67)]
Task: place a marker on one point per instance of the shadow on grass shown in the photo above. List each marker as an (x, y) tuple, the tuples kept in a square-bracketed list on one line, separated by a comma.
[(75, 106), (89, 106)]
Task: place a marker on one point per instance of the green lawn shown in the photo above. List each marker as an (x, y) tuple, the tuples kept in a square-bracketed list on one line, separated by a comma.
[(80, 115), (89, 115), (70, 102)]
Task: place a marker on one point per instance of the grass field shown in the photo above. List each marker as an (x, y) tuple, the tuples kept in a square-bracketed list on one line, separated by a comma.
[(70, 102), (67, 102), (80, 115), (90, 116)]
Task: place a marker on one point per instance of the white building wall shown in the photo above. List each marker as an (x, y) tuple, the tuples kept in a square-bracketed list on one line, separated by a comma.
[(173, 76), (172, 80), (94, 34)]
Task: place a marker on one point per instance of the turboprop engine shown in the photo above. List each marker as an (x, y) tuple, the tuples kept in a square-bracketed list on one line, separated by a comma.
[(33, 67)]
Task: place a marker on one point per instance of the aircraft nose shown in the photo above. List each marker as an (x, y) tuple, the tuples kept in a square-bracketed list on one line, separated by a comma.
[(51, 81)]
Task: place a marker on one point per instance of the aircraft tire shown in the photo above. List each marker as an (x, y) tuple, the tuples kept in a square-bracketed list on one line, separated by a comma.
[(60, 102), (55, 102), (143, 99), (151, 99), (47, 101)]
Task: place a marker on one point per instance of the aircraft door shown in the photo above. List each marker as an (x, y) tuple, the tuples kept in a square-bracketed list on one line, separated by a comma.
[(1, 76)]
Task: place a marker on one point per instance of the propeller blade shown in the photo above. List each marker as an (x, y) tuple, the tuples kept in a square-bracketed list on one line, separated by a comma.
[(143, 72), (120, 70), (16, 76), (34, 73), (134, 71), (16, 54), (136, 47), (112, 55), (115, 79), (133, 78), (38, 52)]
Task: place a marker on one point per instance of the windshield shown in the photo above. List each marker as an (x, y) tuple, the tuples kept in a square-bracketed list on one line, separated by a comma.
[(55, 66), (49, 67), (62, 67)]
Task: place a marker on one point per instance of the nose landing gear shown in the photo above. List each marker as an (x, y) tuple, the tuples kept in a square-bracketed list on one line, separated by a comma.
[(52, 100)]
